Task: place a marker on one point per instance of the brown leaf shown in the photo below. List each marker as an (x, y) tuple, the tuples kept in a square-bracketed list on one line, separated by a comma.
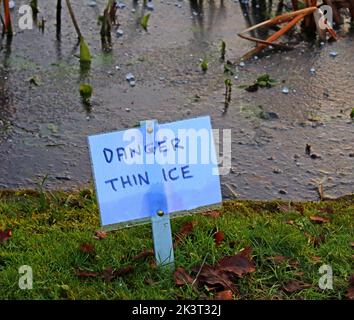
[(279, 259), (182, 277), (219, 237), (328, 210), (350, 293), (216, 278), (99, 235), (109, 274), (291, 222), (186, 229), (352, 244), (316, 259), (224, 295), (238, 264), (86, 274), (144, 254), (5, 235), (87, 248), (318, 219), (294, 286), (351, 280), (212, 214)]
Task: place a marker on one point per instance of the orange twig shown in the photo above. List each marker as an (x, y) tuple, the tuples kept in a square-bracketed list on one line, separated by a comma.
[(8, 28)]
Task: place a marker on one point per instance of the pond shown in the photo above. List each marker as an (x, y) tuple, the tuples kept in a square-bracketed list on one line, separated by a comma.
[(44, 125)]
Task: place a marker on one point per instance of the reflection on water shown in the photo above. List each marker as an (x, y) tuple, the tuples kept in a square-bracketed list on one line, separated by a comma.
[(5, 94), (206, 15), (256, 12)]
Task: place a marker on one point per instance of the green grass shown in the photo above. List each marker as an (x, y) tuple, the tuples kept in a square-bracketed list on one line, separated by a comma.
[(48, 229)]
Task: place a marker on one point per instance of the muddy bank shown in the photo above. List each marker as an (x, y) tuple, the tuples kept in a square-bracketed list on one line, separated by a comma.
[(43, 128)]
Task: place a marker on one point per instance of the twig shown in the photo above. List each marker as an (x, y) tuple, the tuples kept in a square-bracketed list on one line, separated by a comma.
[(72, 15)]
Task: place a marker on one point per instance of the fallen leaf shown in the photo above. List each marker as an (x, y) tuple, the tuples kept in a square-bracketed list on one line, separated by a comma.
[(350, 293), (99, 235), (291, 222), (87, 248), (186, 229), (328, 210), (5, 235), (238, 264), (212, 214), (318, 219), (109, 274), (224, 295), (294, 286), (219, 238), (86, 274), (352, 244), (182, 277), (216, 278), (144, 254), (316, 259), (315, 240), (279, 259)]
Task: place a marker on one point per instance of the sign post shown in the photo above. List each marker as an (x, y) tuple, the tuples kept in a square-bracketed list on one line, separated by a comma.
[(161, 225), (153, 171)]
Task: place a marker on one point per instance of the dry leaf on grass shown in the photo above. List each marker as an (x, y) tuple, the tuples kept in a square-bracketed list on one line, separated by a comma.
[(295, 286), (99, 235), (144, 254), (224, 295), (87, 248), (186, 229), (216, 279), (219, 237), (318, 219), (182, 277), (350, 292), (238, 264), (212, 214), (5, 235), (86, 274)]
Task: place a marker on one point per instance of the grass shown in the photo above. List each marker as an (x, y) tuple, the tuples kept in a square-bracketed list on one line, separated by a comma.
[(48, 229)]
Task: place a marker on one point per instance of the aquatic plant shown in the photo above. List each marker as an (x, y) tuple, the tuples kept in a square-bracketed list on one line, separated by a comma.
[(85, 56), (204, 65), (222, 50), (107, 20), (228, 89), (86, 93), (145, 21), (34, 7)]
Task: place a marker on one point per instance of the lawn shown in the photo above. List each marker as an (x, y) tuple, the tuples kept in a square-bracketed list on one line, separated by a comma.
[(286, 243)]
